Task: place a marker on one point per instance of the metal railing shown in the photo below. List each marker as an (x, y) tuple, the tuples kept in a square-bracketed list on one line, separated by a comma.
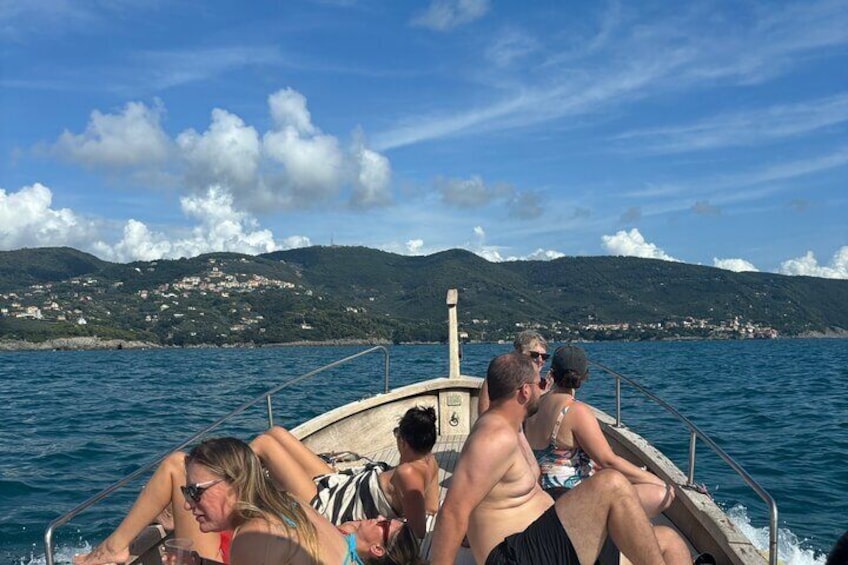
[(266, 396), (694, 434)]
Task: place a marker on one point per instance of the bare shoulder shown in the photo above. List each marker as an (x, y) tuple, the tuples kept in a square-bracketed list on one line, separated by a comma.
[(492, 431)]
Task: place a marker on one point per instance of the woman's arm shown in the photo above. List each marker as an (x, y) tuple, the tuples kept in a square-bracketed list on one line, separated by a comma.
[(588, 435), (409, 482)]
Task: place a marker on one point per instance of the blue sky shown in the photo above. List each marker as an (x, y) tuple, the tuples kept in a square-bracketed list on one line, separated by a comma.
[(712, 133)]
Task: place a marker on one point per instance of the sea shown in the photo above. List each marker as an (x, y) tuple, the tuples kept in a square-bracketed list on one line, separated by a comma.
[(76, 422)]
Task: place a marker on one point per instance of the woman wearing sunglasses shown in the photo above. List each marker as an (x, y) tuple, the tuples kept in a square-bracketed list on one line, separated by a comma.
[(228, 490), (529, 343), (410, 490), (569, 444)]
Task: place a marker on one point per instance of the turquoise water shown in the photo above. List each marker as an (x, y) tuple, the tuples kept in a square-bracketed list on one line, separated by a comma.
[(75, 422)]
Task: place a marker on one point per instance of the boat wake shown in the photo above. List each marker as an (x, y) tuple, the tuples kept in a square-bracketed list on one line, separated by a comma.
[(790, 550)]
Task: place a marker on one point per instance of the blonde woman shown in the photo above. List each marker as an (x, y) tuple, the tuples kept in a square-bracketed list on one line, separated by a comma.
[(228, 489)]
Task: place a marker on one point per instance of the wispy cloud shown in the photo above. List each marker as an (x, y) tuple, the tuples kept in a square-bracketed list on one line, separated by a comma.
[(670, 54), (751, 127), (444, 15)]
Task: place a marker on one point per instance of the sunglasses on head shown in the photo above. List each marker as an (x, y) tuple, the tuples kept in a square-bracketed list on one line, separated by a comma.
[(536, 355), (195, 491)]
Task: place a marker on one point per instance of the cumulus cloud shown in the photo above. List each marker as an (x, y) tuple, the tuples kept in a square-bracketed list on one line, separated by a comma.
[(632, 244), (292, 165), (808, 266), (130, 138), (227, 153), (544, 255), (735, 265), (487, 252), (220, 227), (471, 192), (444, 15), (414, 246), (28, 220), (372, 175)]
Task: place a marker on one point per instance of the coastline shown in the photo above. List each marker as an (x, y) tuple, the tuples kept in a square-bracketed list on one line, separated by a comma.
[(94, 343)]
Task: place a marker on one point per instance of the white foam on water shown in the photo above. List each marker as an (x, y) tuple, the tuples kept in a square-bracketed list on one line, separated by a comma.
[(62, 555), (790, 550)]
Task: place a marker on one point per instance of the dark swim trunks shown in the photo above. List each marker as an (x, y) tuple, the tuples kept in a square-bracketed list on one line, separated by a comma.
[(544, 541)]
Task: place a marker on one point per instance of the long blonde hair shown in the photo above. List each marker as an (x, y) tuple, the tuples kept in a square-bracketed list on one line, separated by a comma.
[(258, 497)]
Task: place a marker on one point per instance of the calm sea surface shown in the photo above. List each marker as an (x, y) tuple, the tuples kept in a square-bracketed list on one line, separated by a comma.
[(76, 422)]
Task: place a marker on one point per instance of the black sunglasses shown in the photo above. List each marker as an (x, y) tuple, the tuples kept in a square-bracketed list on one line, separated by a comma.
[(536, 355), (195, 491)]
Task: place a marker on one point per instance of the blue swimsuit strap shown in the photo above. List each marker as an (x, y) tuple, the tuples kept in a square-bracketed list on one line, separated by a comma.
[(352, 558)]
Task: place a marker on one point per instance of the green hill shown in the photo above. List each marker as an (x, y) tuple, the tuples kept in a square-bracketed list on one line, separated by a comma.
[(337, 293)]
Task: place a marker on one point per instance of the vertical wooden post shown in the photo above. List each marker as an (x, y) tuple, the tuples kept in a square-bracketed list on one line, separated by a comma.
[(453, 335)]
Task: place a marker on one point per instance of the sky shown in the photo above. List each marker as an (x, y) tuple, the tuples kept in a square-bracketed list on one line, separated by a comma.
[(711, 134)]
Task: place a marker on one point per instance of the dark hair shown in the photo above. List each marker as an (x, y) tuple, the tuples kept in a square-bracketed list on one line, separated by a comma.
[(569, 378), (404, 549), (507, 372), (839, 554), (418, 428)]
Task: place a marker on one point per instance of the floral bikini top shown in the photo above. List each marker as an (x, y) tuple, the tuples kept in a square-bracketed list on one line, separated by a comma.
[(562, 468)]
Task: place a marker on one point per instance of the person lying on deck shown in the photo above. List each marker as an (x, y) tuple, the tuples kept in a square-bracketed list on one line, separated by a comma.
[(568, 442), (496, 498), (228, 490), (410, 489), (530, 343)]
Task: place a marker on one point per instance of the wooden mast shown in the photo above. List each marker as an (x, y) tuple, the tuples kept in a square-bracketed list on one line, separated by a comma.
[(453, 334)]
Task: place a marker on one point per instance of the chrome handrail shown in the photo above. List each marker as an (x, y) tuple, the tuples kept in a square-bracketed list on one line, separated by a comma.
[(694, 434), (65, 518)]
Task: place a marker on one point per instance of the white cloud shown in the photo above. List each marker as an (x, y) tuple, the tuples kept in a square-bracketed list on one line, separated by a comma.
[(754, 126), (220, 227), (130, 138), (372, 177), (735, 265), (544, 255), (632, 244), (227, 153), (27, 220), (414, 246), (510, 46), (444, 15), (288, 109), (808, 266)]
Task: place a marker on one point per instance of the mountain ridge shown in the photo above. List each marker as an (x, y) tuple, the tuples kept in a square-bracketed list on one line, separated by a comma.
[(325, 293)]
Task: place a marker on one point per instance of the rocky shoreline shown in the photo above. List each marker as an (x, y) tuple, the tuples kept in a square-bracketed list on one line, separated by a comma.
[(96, 343)]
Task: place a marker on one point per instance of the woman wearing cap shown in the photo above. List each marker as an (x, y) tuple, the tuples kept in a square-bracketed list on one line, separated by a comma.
[(529, 343), (568, 442)]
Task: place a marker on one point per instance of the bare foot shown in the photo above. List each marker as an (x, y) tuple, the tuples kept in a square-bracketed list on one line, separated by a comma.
[(166, 519), (102, 555)]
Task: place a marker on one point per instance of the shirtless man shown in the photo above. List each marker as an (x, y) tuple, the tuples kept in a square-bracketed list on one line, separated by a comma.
[(495, 495)]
